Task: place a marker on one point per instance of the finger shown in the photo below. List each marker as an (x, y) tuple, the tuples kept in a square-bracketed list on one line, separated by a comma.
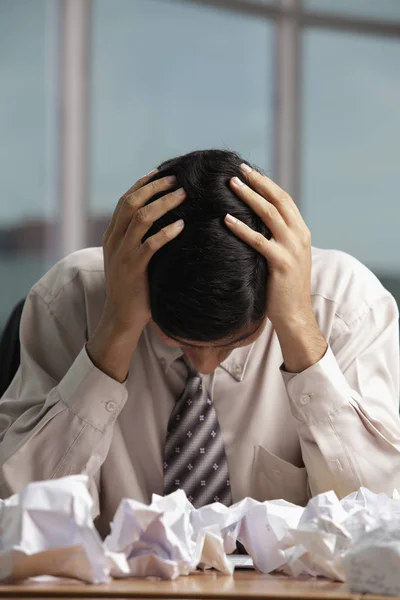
[(158, 240), (273, 193), (135, 201), (264, 209), (266, 248), (142, 181), (142, 195), (144, 218), (111, 225)]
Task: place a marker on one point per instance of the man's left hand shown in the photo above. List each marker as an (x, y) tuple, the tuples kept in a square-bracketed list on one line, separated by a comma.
[(288, 254)]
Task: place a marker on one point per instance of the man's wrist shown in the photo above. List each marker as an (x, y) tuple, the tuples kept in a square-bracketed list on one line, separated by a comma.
[(301, 340), (111, 350)]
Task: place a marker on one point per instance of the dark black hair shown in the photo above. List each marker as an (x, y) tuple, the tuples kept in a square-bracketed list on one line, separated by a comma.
[(206, 284)]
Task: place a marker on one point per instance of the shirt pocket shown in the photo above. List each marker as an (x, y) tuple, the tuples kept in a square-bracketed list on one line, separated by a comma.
[(273, 479)]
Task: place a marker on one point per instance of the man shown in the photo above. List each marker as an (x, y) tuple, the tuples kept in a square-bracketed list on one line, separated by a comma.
[(214, 350)]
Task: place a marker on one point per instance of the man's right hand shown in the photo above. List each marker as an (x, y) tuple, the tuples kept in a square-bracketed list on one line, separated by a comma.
[(127, 307)]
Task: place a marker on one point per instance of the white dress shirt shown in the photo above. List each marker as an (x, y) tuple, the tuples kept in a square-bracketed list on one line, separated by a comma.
[(333, 426)]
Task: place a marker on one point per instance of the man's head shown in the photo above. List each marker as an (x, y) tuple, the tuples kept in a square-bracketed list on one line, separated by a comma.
[(207, 287)]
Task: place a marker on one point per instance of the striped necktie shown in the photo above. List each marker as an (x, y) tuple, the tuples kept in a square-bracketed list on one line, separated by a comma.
[(194, 455)]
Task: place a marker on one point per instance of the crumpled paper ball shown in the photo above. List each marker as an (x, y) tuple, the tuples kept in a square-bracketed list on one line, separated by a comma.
[(48, 529), (160, 539)]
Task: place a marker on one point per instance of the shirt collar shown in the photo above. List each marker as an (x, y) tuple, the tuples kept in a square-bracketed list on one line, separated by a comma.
[(237, 361), (165, 354), (235, 364)]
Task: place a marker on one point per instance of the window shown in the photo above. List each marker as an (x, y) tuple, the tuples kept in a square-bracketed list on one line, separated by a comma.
[(169, 78), (27, 178), (351, 147)]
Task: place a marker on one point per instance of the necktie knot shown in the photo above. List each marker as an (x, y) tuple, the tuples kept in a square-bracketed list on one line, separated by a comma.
[(192, 373), (189, 366)]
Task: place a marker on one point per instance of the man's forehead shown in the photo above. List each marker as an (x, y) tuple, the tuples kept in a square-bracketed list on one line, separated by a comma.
[(234, 339)]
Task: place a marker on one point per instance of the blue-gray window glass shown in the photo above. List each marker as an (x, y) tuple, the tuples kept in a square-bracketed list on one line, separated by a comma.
[(351, 147), (27, 199)]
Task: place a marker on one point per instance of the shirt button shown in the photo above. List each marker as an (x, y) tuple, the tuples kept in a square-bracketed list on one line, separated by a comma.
[(111, 406), (305, 399)]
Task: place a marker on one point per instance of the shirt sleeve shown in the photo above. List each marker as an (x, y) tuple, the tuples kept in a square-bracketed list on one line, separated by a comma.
[(57, 416), (346, 407)]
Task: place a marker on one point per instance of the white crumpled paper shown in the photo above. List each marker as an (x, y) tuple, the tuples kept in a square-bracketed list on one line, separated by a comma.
[(329, 538), (160, 539), (48, 529)]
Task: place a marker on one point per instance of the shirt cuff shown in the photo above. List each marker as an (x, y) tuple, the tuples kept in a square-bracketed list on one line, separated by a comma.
[(91, 394), (319, 391)]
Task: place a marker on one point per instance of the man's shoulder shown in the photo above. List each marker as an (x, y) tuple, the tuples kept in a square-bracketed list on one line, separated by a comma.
[(81, 271), (343, 281)]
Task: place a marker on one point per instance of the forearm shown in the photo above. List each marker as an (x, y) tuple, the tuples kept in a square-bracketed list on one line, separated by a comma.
[(344, 453), (61, 444), (347, 440), (67, 431), (302, 342), (112, 346)]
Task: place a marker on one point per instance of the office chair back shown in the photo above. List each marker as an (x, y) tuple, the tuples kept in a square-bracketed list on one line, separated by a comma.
[(10, 356)]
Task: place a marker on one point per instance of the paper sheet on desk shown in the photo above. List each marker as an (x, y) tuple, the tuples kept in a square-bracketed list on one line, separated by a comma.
[(48, 529)]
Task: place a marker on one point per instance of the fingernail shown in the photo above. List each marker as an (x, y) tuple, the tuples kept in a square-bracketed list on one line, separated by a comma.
[(245, 168), (181, 192), (171, 179), (153, 172), (230, 219), (238, 181), (179, 224)]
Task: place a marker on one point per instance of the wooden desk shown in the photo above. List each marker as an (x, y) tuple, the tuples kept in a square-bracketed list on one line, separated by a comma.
[(208, 585)]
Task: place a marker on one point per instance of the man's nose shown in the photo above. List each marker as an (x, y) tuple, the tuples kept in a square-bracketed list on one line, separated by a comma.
[(204, 360)]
